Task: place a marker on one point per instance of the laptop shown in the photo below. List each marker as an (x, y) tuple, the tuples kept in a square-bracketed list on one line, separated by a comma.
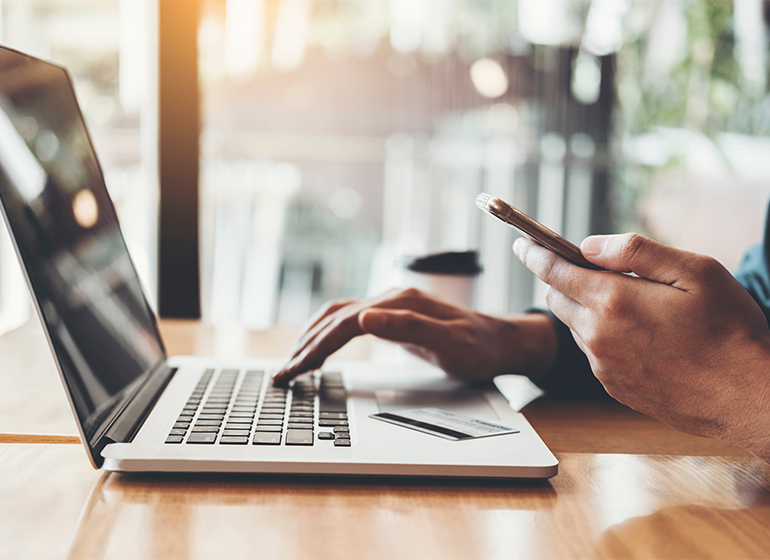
[(138, 409)]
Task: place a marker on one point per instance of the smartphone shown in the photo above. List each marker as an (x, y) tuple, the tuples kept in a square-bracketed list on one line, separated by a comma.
[(534, 230)]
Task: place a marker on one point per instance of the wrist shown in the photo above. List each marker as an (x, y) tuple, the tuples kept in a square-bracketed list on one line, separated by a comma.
[(749, 426), (529, 345)]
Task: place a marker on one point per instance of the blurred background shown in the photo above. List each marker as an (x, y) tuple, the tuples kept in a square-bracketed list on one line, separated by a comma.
[(332, 138)]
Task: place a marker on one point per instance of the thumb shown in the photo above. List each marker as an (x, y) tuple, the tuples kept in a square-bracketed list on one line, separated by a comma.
[(402, 326), (635, 253)]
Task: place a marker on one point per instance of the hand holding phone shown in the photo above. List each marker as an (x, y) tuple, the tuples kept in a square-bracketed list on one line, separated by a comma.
[(533, 229)]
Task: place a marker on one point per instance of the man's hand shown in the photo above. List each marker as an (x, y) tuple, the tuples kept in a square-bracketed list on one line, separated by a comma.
[(682, 341), (464, 343)]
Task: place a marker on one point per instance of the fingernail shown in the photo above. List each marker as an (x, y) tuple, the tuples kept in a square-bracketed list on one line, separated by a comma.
[(594, 245), (283, 370)]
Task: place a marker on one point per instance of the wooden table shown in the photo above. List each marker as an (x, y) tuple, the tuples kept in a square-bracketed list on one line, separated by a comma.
[(628, 487)]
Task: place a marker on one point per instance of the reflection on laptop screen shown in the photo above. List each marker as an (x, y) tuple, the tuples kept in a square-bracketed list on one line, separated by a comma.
[(67, 234)]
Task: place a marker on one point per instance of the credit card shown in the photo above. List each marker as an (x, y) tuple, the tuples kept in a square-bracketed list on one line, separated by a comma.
[(443, 423)]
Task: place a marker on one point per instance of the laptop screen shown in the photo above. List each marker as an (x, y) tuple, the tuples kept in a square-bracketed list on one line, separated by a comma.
[(67, 235)]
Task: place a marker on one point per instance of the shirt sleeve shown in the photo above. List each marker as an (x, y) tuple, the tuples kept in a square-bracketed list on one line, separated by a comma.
[(571, 375), (754, 272)]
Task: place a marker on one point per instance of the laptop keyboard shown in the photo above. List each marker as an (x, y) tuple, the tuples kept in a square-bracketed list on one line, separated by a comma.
[(297, 415)]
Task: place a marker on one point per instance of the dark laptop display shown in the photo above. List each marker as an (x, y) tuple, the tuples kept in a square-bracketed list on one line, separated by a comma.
[(66, 231)]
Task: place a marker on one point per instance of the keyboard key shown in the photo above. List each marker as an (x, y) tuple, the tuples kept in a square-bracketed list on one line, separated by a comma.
[(202, 438), (174, 439), (263, 428), (234, 440), (269, 422), (333, 415), (278, 411), (300, 420), (299, 437), (341, 442), (177, 432), (341, 429), (238, 427), (205, 428), (267, 438), (301, 414), (211, 417), (271, 416), (309, 409), (232, 420), (332, 422), (325, 435), (181, 425), (235, 433), (343, 435), (208, 422), (292, 426), (241, 415)]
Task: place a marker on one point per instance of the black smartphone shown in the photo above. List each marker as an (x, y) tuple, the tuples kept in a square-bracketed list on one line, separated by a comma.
[(533, 229)]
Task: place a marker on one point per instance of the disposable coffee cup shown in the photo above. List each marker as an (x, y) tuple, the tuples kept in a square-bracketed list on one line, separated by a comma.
[(450, 276)]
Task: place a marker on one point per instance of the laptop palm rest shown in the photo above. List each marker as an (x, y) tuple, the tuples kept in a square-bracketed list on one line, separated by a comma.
[(445, 394)]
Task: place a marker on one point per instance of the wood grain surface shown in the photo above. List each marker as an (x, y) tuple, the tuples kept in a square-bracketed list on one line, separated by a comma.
[(599, 506)]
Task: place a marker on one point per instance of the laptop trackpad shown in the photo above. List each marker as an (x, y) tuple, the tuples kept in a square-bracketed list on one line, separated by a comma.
[(467, 401)]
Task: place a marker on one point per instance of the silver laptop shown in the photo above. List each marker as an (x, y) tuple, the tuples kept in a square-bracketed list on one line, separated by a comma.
[(138, 409)]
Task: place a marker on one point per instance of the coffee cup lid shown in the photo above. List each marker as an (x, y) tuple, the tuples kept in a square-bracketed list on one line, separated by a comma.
[(452, 262)]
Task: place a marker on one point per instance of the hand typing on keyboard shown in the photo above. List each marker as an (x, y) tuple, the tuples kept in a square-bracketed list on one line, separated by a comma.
[(464, 343)]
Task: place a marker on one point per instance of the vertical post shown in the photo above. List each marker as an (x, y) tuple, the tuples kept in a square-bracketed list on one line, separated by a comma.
[(178, 149)]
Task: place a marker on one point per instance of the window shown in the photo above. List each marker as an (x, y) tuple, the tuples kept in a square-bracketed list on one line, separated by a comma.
[(341, 136), (109, 48)]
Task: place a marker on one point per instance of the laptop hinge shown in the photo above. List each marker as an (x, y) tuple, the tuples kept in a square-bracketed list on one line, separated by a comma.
[(131, 418)]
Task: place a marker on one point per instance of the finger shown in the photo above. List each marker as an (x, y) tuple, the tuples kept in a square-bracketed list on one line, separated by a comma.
[(408, 299), (566, 309), (406, 327), (577, 283), (635, 253), (325, 310), (335, 336), (582, 345), (415, 300)]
